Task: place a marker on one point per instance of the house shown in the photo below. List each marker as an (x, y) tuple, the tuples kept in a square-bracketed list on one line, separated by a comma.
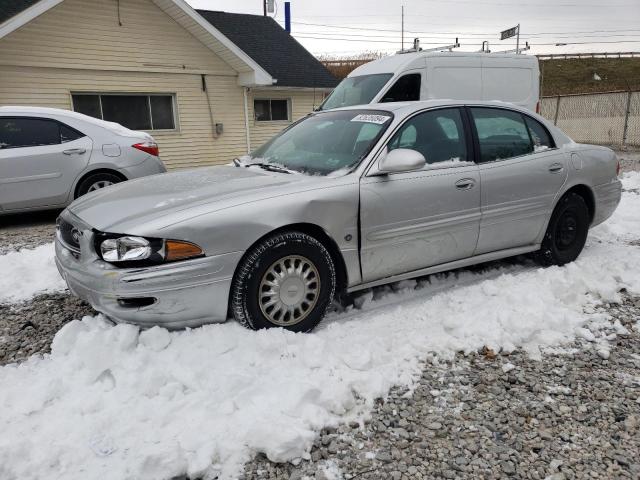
[(209, 86)]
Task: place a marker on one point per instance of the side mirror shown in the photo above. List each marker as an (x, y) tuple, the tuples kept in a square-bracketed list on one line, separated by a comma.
[(401, 160)]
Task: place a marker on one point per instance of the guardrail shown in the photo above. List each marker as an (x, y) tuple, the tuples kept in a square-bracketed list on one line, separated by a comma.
[(551, 56)]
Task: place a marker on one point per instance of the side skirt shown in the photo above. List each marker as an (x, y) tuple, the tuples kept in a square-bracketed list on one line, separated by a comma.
[(465, 262)]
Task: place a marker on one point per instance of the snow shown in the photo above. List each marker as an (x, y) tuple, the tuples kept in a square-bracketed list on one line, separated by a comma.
[(114, 402), (27, 273)]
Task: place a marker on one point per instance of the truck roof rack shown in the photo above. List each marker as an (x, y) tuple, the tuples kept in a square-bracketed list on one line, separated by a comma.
[(417, 48)]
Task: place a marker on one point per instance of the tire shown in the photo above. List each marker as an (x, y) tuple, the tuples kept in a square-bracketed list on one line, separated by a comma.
[(90, 182), (567, 232), (288, 260)]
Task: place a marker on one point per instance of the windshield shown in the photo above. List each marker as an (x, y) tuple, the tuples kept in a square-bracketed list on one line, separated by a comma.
[(356, 91), (326, 142)]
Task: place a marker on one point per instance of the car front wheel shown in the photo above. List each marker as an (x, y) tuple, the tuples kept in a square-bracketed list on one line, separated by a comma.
[(288, 281), (567, 231)]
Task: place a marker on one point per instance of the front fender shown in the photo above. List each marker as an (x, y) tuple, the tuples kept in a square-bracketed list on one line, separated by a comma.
[(334, 209)]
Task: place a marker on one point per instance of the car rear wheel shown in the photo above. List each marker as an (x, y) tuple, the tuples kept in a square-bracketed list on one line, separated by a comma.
[(288, 281), (96, 182), (566, 233)]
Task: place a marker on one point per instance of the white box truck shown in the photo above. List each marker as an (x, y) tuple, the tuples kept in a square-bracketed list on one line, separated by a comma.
[(441, 75)]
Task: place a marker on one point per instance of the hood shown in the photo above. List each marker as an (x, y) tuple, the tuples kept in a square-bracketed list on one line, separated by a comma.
[(123, 207)]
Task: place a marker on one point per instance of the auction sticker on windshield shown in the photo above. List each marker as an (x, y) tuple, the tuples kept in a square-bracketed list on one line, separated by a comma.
[(370, 118)]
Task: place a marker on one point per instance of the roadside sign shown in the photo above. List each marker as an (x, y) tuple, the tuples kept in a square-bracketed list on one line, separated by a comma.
[(511, 32)]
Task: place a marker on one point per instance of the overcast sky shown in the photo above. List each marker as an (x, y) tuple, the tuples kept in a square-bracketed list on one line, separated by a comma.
[(346, 27)]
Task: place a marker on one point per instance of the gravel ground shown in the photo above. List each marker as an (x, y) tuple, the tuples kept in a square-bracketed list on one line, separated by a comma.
[(27, 230), (573, 414), (28, 328)]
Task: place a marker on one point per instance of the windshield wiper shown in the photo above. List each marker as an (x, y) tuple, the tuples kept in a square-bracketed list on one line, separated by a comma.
[(270, 167)]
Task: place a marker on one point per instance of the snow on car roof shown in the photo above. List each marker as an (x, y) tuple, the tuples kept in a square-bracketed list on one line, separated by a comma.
[(59, 112)]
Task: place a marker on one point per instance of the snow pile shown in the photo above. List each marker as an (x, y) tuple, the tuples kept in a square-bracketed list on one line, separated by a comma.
[(114, 402), (28, 272)]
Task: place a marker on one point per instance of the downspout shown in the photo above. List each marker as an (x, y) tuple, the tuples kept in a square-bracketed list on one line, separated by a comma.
[(246, 118)]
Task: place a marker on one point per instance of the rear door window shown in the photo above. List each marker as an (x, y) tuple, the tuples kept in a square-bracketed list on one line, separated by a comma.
[(18, 132), (539, 135), (406, 89), (502, 134), (28, 132)]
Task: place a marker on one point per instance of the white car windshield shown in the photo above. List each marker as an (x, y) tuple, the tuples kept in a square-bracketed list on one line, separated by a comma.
[(324, 143), (356, 91)]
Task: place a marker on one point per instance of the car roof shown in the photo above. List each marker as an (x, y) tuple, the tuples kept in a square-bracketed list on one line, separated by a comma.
[(61, 114), (396, 63), (409, 107)]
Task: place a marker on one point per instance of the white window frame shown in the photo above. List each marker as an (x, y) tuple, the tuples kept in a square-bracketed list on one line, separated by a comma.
[(174, 105), (270, 99)]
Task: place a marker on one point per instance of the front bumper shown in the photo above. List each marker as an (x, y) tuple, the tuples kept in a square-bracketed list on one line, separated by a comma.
[(189, 293)]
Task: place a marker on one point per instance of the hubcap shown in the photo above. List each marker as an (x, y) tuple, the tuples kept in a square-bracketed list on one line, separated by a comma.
[(98, 185), (567, 230), (289, 290)]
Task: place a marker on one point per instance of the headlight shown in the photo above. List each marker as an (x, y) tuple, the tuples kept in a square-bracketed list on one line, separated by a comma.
[(125, 248), (143, 250)]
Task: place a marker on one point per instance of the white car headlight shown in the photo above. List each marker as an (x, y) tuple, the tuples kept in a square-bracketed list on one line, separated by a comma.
[(124, 249), (154, 250)]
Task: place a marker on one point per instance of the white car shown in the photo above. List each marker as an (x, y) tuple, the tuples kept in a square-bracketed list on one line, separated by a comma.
[(49, 157)]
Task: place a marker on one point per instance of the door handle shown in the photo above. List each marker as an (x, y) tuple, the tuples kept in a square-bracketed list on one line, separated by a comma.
[(555, 168), (465, 184), (71, 151)]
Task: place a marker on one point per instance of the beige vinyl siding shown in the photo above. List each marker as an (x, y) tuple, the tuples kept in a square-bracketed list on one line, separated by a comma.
[(302, 102), (78, 46), (85, 34), (193, 144)]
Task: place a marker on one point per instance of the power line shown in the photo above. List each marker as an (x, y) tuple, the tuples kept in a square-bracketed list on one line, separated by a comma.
[(461, 37), (434, 43), (457, 33)]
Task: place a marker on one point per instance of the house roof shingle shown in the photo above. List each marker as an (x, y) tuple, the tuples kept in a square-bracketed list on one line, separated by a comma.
[(269, 45), (10, 8)]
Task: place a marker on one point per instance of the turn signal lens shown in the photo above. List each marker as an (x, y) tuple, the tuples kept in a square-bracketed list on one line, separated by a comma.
[(177, 250)]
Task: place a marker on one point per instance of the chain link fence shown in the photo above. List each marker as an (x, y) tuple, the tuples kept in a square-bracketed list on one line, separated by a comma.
[(598, 118)]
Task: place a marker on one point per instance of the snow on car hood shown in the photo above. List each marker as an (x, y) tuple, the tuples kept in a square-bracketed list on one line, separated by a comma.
[(122, 207)]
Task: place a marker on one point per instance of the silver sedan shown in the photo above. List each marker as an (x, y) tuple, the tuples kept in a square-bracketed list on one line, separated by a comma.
[(49, 157), (340, 201)]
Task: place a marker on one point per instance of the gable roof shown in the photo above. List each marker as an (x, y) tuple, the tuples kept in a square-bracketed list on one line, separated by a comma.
[(266, 42), (16, 13)]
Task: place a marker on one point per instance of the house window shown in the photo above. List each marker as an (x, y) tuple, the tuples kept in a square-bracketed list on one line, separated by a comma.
[(271, 110), (134, 111)]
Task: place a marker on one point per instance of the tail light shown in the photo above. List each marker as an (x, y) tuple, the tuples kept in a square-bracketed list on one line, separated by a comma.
[(148, 147), (538, 107)]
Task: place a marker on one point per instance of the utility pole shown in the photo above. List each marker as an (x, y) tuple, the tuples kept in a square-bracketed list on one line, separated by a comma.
[(264, 7), (518, 40), (402, 46)]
